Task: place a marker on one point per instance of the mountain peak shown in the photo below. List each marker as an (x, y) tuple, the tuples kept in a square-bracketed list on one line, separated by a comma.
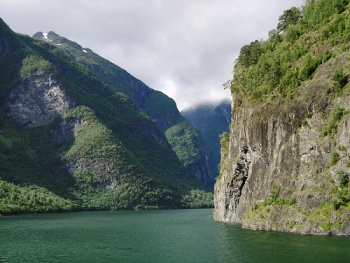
[(49, 37), (58, 40)]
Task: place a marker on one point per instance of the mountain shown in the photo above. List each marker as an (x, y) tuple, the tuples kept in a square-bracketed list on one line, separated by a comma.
[(183, 137), (285, 163), (212, 120), (68, 141)]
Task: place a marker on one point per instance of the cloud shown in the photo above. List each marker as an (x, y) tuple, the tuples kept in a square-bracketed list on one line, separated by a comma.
[(185, 48)]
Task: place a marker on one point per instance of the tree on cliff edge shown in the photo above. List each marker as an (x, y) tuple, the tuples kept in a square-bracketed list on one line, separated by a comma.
[(289, 17)]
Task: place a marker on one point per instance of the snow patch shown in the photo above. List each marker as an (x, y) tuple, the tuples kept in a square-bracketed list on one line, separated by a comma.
[(59, 44), (45, 35), (84, 50)]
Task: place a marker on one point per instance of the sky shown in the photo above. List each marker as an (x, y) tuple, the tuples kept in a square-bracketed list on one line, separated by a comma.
[(184, 48)]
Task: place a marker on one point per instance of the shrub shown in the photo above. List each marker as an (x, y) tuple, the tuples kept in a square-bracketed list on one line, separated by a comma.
[(343, 193), (343, 178), (335, 116), (32, 64), (335, 157), (340, 79), (274, 193)]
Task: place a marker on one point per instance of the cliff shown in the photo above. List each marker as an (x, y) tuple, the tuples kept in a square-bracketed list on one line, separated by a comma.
[(285, 163)]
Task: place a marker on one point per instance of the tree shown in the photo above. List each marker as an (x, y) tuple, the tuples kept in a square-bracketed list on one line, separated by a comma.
[(289, 17), (250, 54), (340, 5)]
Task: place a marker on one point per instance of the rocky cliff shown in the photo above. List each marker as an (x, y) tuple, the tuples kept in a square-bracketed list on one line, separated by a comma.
[(285, 163), (38, 100)]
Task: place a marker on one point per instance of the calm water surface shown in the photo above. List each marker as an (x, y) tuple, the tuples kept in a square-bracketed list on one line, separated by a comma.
[(155, 236)]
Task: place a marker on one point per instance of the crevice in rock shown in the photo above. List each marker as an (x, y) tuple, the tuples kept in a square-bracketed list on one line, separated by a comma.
[(240, 176)]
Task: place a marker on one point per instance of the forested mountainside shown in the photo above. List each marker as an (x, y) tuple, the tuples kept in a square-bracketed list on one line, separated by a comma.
[(212, 120), (68, 141), (183, 137), (286, 162)]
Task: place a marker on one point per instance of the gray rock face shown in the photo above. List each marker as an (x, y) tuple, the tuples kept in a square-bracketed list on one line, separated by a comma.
[(38, 101), (109, 178), (66, 129), (281, 172)]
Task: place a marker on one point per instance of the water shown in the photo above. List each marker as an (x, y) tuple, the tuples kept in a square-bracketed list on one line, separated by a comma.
[(155, 236)]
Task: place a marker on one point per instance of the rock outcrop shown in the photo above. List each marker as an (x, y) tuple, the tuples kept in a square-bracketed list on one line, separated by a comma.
[(277, 175), (38, 100)]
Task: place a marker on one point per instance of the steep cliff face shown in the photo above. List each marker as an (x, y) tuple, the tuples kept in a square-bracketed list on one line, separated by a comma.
[(279, 176), (38, 100), (285, 164)]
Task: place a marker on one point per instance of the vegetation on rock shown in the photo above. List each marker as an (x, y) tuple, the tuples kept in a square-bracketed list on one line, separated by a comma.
[(288, 149)]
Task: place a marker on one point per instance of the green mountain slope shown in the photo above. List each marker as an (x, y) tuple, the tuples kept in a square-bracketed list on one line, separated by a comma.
[(68, 141), (193, 152), (212, 121), (285, 164)]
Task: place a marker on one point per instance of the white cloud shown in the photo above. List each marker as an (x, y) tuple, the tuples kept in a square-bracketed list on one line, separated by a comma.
[(185, 48), (169, 87)]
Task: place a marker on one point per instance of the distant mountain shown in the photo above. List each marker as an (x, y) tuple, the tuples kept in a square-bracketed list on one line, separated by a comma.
[(68, 141), (183, 137), (212, 120)]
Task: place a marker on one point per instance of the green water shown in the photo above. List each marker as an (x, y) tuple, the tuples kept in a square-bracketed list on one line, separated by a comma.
[(155, 236)]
